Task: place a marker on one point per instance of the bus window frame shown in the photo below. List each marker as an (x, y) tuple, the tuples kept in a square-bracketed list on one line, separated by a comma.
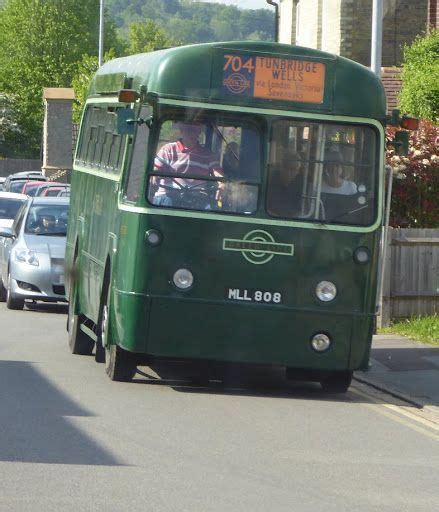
[(256, 122), (322, 121)]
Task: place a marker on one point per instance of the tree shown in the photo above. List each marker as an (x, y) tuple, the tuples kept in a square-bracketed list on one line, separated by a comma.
[(10, 132), (420, 77), (41, 45), (145, 36)]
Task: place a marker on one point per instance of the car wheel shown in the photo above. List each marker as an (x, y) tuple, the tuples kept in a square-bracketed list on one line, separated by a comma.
[(2, 291), (79, 342), (337, 382), (12, 302)]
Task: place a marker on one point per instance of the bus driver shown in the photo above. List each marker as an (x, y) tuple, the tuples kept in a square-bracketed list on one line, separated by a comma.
[(188, 157)]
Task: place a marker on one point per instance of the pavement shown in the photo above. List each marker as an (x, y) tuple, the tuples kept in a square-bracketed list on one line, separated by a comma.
[(405, 368)]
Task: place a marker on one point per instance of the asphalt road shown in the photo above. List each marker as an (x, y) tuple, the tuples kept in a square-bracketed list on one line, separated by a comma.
[(71, 440)]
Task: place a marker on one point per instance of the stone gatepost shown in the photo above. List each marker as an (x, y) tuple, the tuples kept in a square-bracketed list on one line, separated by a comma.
[(57, 133)]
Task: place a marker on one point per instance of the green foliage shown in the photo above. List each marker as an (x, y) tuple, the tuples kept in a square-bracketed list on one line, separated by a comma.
[(420, 77), (195, 22), (41, 45), (81, 81), (145, 36), (424, 329), (416, 180), (10, 132)]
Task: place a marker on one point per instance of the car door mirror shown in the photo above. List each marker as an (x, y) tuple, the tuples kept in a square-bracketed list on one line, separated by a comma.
[(7, 232)]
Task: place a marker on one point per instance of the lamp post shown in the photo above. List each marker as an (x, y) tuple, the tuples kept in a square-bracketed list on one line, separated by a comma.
[(276, 19), (101, 33), (377, 37)]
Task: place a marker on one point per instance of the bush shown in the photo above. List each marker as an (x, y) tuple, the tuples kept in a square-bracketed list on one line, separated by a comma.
[(420, 77), (415, 202)]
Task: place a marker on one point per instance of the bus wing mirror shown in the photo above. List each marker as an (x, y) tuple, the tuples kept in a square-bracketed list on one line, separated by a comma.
[(401, 143), (125, 121)]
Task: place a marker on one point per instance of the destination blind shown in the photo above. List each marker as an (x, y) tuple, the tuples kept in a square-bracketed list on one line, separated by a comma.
[(273, 78)]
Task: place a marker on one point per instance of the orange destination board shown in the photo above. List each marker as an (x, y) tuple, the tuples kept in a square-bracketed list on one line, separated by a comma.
[(274, 78)]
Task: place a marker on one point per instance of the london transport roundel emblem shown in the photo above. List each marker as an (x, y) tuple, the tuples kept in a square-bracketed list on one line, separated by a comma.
[(258, 247), (236, 83)]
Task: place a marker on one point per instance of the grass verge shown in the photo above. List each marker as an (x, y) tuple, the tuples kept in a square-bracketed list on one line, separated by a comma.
[(425, 329)]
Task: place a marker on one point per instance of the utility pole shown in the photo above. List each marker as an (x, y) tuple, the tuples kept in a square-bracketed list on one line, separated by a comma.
[(276, 19), (377, 37), (101, 33)]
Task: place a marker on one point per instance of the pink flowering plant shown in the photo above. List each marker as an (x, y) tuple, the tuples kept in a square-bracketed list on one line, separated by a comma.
[(415, 196)]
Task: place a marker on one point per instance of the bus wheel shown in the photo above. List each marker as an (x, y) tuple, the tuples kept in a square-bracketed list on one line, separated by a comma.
[(103, 324), (2, 291), (12, 302), (79, 342), (120, 365), (337, 382)]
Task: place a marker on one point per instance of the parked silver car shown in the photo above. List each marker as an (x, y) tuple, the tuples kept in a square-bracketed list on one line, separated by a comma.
[(10, 204), (32, 253)]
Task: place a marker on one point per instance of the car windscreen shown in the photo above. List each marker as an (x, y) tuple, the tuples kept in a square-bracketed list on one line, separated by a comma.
[(16, 185), (9, 207), (49, 220)]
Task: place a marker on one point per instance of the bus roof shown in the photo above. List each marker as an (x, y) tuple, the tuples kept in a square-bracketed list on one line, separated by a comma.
[(254, 74)]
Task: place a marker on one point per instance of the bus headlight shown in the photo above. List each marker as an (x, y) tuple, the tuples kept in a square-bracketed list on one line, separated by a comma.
[(320, 342), (153, 237), (183, 278), (326, 291), (361, 255)]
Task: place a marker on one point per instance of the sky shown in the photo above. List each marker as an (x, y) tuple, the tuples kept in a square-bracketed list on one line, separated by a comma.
[(244, 4)]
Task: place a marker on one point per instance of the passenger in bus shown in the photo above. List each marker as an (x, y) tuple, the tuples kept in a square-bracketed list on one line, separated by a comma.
[(188, 157), (285, 186), (333, 179)]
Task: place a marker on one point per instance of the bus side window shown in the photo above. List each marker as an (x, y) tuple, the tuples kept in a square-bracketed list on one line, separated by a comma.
[(138, 158)]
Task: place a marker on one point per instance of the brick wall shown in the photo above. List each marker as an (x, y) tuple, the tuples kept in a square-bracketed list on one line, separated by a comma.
[(433, 14), (287, 22), (332, 19), (391, 78), (309, 23), (344, 27)]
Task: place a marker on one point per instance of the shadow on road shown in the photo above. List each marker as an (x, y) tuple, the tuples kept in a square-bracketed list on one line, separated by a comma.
[(60, 308), (34, 427), (233, 379)]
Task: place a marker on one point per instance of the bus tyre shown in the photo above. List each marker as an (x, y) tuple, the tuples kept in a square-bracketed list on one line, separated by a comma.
[(12, 302), (337, 382), (120, 365), (103, 324), (79, 342), (2, 291)]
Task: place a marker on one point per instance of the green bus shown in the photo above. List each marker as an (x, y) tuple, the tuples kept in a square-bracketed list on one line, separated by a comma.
[(255, 242)]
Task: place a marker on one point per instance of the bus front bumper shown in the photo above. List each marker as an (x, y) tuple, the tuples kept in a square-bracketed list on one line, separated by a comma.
[(247, 333)]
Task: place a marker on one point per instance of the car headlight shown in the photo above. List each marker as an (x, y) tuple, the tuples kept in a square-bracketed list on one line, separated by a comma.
[(27, 256), (326, 291), (183, 278)]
